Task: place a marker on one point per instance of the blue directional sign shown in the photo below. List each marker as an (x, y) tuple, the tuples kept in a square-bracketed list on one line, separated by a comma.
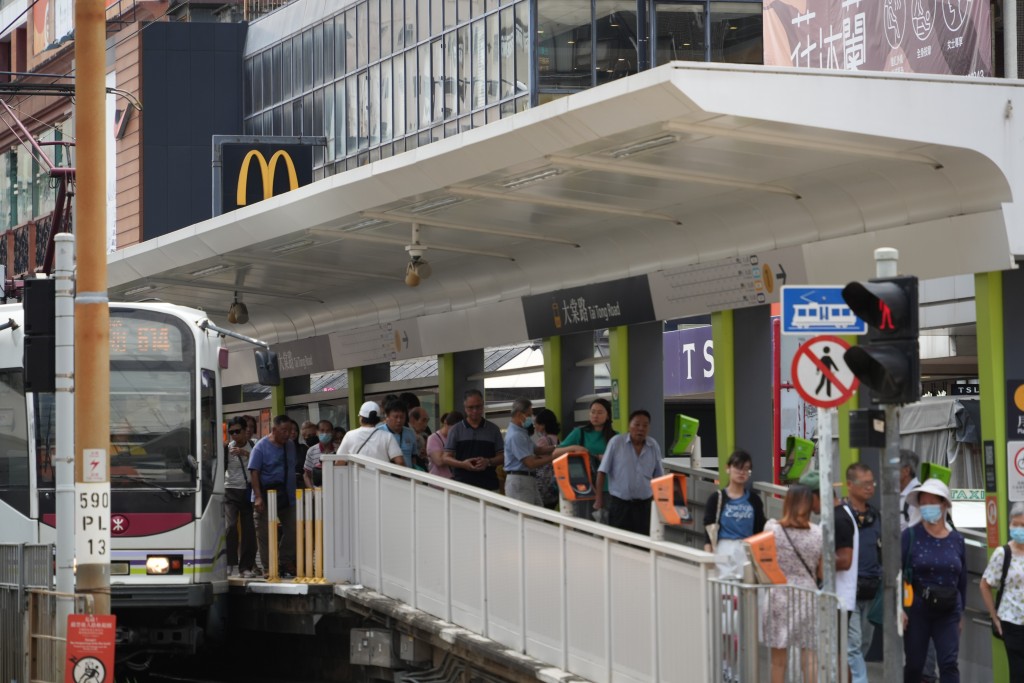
[(818, 309)]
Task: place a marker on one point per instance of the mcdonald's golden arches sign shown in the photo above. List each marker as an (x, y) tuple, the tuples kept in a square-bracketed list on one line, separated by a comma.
[(254, 172)]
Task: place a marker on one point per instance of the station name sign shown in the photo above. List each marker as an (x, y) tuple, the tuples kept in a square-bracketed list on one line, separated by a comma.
[(589, 307)]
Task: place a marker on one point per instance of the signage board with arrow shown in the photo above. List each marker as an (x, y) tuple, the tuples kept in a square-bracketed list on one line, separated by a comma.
[(738, 281)]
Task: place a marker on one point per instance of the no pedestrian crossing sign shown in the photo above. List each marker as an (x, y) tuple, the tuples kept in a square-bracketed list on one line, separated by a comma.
[(820, 374)]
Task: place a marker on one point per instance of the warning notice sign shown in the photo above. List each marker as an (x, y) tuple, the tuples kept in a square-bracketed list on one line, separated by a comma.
[(90, 651)]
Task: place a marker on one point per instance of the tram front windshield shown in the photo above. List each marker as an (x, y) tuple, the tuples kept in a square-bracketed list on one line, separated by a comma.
[(152, 428)]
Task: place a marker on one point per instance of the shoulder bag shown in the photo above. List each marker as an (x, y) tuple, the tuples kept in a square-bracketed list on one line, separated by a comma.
[(813, 575), (713, 529), (1007, 558)]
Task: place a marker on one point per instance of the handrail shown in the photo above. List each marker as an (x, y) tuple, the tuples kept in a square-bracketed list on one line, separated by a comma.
[(712, 475), (585, 598), (662, 547)]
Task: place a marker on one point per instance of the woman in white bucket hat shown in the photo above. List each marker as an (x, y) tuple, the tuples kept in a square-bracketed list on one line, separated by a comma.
[(935, 567)]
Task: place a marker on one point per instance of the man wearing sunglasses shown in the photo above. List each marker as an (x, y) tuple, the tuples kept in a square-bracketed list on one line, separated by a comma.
[(860, 484), (237, 504)]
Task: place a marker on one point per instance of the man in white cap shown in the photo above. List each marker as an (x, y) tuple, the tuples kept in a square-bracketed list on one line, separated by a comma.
[(368, 441)]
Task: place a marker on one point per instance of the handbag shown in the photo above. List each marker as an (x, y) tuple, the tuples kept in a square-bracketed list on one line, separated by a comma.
[(939, 599), (867, 587), (908, 573), (713, 529), (1007, 558), (814, 577)]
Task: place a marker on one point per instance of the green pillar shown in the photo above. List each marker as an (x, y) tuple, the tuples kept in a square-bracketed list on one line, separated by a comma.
[(988, 297), (988, 301), (277, 400), (725, 388), (847, 453), (552, 348), (355, 395), (446, 383), (618, 353)]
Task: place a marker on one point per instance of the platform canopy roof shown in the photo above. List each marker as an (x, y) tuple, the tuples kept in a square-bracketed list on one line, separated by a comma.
[(683, 165)]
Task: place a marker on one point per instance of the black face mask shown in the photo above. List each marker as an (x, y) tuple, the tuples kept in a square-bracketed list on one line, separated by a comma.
[(312, 441)]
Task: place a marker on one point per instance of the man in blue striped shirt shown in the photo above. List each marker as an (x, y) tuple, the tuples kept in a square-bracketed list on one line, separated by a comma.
[(630, 462)]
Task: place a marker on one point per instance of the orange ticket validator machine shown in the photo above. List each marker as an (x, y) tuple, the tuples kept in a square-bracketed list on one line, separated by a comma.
[(669, 493), (572, 472), (669, 500), (764, 558)]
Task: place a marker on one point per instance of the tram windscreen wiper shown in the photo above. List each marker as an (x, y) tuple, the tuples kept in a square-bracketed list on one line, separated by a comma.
[(140, 480)]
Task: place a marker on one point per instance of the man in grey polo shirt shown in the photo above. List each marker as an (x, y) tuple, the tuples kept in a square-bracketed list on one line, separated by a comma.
[(522, 457), (475, 447), (630, 462)]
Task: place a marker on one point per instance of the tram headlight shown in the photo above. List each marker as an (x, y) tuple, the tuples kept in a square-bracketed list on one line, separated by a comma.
[(158, 565)]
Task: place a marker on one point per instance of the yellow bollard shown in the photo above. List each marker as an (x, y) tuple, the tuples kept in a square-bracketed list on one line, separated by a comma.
[(309, 534), (318, 534), (300, 567), (273, 574)]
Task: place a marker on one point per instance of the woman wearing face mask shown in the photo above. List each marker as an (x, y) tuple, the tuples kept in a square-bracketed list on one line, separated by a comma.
[(312, 470), (935, 566), (1006, 574)]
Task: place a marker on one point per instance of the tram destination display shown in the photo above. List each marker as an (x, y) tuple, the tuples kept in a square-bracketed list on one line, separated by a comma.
[(140, 339)]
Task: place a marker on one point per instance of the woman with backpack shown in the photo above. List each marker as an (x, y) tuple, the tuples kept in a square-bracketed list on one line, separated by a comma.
[(1005, 572)]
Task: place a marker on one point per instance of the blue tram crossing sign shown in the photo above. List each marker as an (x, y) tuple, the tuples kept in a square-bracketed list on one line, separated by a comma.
[(818, 309)]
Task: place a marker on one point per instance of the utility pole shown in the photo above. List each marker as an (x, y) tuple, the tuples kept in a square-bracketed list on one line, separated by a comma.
[(886, 266), (64, 385), (889, 363), (92, 326)]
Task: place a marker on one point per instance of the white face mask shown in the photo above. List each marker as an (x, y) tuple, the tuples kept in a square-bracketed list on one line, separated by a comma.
[(931, 513)]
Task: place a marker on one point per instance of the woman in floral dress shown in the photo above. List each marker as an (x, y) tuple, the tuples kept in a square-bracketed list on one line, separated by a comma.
[(790, 618)]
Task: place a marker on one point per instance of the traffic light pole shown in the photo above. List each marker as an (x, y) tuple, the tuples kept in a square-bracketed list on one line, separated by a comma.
[(892, 629)]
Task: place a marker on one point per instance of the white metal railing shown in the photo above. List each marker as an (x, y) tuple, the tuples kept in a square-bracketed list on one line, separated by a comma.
[(596, 601), (806, 627)]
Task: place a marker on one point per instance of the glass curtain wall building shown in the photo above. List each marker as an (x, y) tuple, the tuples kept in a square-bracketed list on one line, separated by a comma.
[(384, 76)]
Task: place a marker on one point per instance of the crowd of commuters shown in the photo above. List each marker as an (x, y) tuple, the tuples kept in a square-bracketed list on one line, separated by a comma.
[(468, 448), (933, 562)]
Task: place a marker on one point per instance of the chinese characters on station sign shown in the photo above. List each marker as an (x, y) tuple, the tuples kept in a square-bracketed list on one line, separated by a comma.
[(913, 36), (590, 307)]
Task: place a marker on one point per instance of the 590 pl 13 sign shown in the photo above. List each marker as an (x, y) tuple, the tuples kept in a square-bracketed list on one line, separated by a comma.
[(92, 523)]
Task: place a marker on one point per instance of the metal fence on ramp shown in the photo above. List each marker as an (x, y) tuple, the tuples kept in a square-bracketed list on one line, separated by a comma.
[(22, 567), (806, 629)]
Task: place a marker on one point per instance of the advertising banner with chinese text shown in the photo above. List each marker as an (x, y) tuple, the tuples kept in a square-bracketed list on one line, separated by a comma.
[(912, 36)]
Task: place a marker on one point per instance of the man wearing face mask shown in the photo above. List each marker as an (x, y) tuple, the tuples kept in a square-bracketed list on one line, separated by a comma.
[(522, 457), (312, 470)]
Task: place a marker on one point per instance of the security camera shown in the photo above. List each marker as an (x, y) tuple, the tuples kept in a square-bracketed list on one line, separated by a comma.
[(412, 276)]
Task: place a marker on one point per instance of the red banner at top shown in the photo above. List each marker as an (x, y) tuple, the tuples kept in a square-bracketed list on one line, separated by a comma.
[(913, 36)]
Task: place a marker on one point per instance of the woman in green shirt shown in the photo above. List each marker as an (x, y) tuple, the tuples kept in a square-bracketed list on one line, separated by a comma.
[(592, 438)]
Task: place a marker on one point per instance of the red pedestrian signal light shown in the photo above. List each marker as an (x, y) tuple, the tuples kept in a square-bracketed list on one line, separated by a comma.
[(886, 323), (888, 362)]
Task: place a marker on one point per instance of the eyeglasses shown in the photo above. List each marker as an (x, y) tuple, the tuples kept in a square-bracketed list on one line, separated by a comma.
[(478, 406), (234, 431), (867, 484), (744, 470)]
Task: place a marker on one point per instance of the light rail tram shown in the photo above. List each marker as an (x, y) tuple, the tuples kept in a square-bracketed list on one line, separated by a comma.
[(168, 562)]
